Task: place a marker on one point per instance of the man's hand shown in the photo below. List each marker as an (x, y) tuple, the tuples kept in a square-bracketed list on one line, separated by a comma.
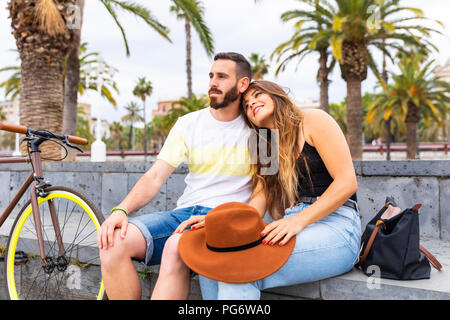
[(105, 237)]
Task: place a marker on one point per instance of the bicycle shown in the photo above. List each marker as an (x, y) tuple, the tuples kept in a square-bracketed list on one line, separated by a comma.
[(58, 225)]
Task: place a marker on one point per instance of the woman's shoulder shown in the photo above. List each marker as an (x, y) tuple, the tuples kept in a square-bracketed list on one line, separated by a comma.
[(314, 120), (311, 114)]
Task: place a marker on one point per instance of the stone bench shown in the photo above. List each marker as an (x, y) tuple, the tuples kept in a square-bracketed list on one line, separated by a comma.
[(408, 182), (352, 285)]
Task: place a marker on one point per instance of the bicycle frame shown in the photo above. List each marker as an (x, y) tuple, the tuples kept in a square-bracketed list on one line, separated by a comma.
[(34, 180)]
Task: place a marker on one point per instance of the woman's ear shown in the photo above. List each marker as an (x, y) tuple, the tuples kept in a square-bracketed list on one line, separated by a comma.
[(243, 84)]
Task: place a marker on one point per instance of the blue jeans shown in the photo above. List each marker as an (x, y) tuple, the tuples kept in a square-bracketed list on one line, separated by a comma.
[(157, 227), (324, 249)]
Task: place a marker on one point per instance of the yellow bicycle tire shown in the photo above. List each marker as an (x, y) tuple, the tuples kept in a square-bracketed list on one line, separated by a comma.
[(56, 192)]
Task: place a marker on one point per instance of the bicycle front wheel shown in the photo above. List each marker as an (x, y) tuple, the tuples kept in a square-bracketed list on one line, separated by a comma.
[(72, 274)]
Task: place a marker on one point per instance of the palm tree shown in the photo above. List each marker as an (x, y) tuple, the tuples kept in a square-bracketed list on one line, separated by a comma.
[(187, 105), (131, 118), (2, 115), (356, 29), (116, 131), (142, 90), (43, 33), (304, 42), (339, 114), (376, 126), (88, 77), (415, 93), (259, 66), (73, 64), (160, 126), (12, 84), (84, 129), (42, 40), (89, 61), (193, 16)]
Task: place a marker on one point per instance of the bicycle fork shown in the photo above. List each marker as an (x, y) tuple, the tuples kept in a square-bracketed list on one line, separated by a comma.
[(37, 189)]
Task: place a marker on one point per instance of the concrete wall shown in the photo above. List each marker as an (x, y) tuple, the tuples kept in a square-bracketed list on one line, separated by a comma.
[(106, 184)]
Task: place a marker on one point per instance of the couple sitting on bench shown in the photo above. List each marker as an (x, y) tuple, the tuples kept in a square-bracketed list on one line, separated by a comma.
[(250, 152)]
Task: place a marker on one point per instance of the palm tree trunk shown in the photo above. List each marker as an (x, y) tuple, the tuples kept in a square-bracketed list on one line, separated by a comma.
[(387, 130), (387, 123), (72, 79), (322, 77), (145, 131), (187, 27), (411, 140), (412, 122), (130, 136), (42, 94), (354, 117), (42, 62)]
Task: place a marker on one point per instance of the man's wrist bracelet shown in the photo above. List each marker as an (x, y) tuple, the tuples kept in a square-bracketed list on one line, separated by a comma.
[(121, 209)]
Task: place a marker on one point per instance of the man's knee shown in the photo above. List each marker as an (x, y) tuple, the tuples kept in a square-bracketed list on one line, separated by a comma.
[(110, 256), (132, 246)]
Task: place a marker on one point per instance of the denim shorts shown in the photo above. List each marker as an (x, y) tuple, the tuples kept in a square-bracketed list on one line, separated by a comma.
[(326, 248), (157, 227)]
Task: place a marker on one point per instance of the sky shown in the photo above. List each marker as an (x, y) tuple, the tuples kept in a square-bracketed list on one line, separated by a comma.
[(236, 25)]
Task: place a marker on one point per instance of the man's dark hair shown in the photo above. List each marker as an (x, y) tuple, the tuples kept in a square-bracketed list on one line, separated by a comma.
[(243, 68)]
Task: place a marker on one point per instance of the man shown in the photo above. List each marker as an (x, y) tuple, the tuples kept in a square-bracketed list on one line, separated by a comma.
[(215, 142)]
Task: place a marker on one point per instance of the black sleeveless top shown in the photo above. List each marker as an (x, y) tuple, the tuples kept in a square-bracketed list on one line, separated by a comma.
[(318, 180)]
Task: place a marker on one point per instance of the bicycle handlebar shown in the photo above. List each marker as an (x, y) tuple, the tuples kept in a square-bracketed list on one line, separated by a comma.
[(24, 130), (77, 140), (13, 127)]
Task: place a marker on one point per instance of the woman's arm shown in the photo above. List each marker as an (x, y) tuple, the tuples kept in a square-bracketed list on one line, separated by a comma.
[(322, 131), (329, 141), (258, 200)]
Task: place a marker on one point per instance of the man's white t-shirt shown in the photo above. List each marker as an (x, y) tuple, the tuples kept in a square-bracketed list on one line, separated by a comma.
[(217, 155)]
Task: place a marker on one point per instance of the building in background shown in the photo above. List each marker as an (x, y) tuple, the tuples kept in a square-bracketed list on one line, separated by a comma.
[(164, 107), (11, 110), (308, 104), (444, 71), (84, 112)]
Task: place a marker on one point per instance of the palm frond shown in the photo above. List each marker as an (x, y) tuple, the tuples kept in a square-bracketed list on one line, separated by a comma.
[(192, 10), (142, 12)]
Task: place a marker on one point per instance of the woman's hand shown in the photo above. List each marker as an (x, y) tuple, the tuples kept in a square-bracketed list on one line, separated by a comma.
[(282, 230), (196, 222)]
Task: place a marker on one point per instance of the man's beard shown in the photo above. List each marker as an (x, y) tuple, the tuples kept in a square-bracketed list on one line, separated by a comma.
[(231, 96)]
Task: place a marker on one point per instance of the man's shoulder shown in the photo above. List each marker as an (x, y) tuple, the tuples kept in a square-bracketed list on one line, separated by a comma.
[(194, 115), (190, 119)]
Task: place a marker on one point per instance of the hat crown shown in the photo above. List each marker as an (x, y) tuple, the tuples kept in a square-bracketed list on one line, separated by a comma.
[(232, 224)]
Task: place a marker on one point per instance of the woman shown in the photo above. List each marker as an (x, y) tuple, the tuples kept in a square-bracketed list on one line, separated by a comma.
[(311, 196)]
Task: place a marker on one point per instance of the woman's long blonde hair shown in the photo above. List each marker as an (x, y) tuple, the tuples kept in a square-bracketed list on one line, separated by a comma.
[(280, 189)]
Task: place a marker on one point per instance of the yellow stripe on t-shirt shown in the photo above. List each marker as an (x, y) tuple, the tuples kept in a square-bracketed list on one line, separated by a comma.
[(231, 161), (174, 150)]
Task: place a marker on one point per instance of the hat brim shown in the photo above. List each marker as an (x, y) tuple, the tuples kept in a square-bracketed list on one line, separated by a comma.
[(234, 267)]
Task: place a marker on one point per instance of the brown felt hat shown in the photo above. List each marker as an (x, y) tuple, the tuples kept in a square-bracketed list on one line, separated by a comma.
[(229, 248)]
